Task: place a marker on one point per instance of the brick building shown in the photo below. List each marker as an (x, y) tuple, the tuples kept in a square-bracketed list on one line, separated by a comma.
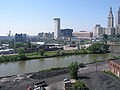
[(114, 67)]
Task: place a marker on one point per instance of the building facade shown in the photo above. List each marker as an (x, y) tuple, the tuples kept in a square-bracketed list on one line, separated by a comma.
[(83, 35), (46, 35), (57, 28), (110, 18), (20, 37), (110, 30), (118, 21), (114, 67), (98, 30), (66, 33)]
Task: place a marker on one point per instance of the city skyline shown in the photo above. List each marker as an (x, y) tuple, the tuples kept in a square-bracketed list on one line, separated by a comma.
[(32, 17)]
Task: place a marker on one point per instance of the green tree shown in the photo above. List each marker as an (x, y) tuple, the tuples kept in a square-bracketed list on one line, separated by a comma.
[(105, 38), (41, 52), (98, 48), (106, 47), (21, 53), (18, 45), (28, 43), (33, 46), (73, 69), (79, 85), (11, 43)]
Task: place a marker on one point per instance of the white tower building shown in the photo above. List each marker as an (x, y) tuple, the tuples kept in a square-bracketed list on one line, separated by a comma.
[(57, 28)]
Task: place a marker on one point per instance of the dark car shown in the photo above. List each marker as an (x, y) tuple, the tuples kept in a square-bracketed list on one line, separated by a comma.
[(82, 65)]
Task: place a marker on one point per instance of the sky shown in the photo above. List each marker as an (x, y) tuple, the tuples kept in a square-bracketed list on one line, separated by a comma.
[(34, 16)]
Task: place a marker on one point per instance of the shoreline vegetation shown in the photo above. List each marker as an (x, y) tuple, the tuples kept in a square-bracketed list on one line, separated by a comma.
[(95, 48), (49, 54)]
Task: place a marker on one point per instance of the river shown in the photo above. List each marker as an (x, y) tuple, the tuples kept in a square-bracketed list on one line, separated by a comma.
[(21, 67)]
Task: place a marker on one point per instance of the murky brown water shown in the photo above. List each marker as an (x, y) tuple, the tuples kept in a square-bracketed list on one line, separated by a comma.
[(20, 67)]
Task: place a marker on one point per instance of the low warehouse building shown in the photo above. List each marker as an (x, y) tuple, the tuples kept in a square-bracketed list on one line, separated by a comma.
[(114, 67)]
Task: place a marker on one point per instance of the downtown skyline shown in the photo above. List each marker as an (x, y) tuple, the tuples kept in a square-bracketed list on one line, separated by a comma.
[(34, 16)]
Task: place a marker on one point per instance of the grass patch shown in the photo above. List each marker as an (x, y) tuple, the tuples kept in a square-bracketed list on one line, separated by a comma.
[(111, 73), (94, 61)]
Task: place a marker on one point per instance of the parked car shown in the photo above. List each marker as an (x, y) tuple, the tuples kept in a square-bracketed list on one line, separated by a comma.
[(82, 65), (66, 79)]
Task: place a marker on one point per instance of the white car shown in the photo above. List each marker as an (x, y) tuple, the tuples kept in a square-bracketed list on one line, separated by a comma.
[(66, 79)]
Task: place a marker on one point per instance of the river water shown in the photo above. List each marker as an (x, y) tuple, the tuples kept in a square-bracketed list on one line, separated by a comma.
[(21, 67)]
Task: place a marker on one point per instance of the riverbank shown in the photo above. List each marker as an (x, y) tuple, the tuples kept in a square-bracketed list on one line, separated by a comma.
[(51, 76), (30, 56)]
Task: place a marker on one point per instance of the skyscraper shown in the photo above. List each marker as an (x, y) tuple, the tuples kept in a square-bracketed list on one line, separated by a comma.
[(110, 30), (118, 17), (118, 21), (57, 28), (110, 18)]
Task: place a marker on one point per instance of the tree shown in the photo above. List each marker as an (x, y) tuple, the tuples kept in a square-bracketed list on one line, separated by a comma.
[(105, 38), (73, 69), (41, 52), (21, 53), (11, 43), (28, 43), (79, 85), (33, 46), (98, 48), (106, 47)]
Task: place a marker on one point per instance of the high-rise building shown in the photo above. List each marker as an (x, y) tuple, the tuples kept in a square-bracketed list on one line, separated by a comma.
[(110, 30), (98, 30), (110, 18), (118, 21), (57, 28)]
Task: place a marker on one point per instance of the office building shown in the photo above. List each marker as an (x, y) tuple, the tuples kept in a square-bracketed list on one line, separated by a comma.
[(20, 37), (83, 35), (110, 30), (98, 31), (66, 33), (110, 18), (46, 35), (118, 21), (57, 28)]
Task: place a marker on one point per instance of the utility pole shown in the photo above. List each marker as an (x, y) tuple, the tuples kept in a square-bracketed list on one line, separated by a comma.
[(96, 66)]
